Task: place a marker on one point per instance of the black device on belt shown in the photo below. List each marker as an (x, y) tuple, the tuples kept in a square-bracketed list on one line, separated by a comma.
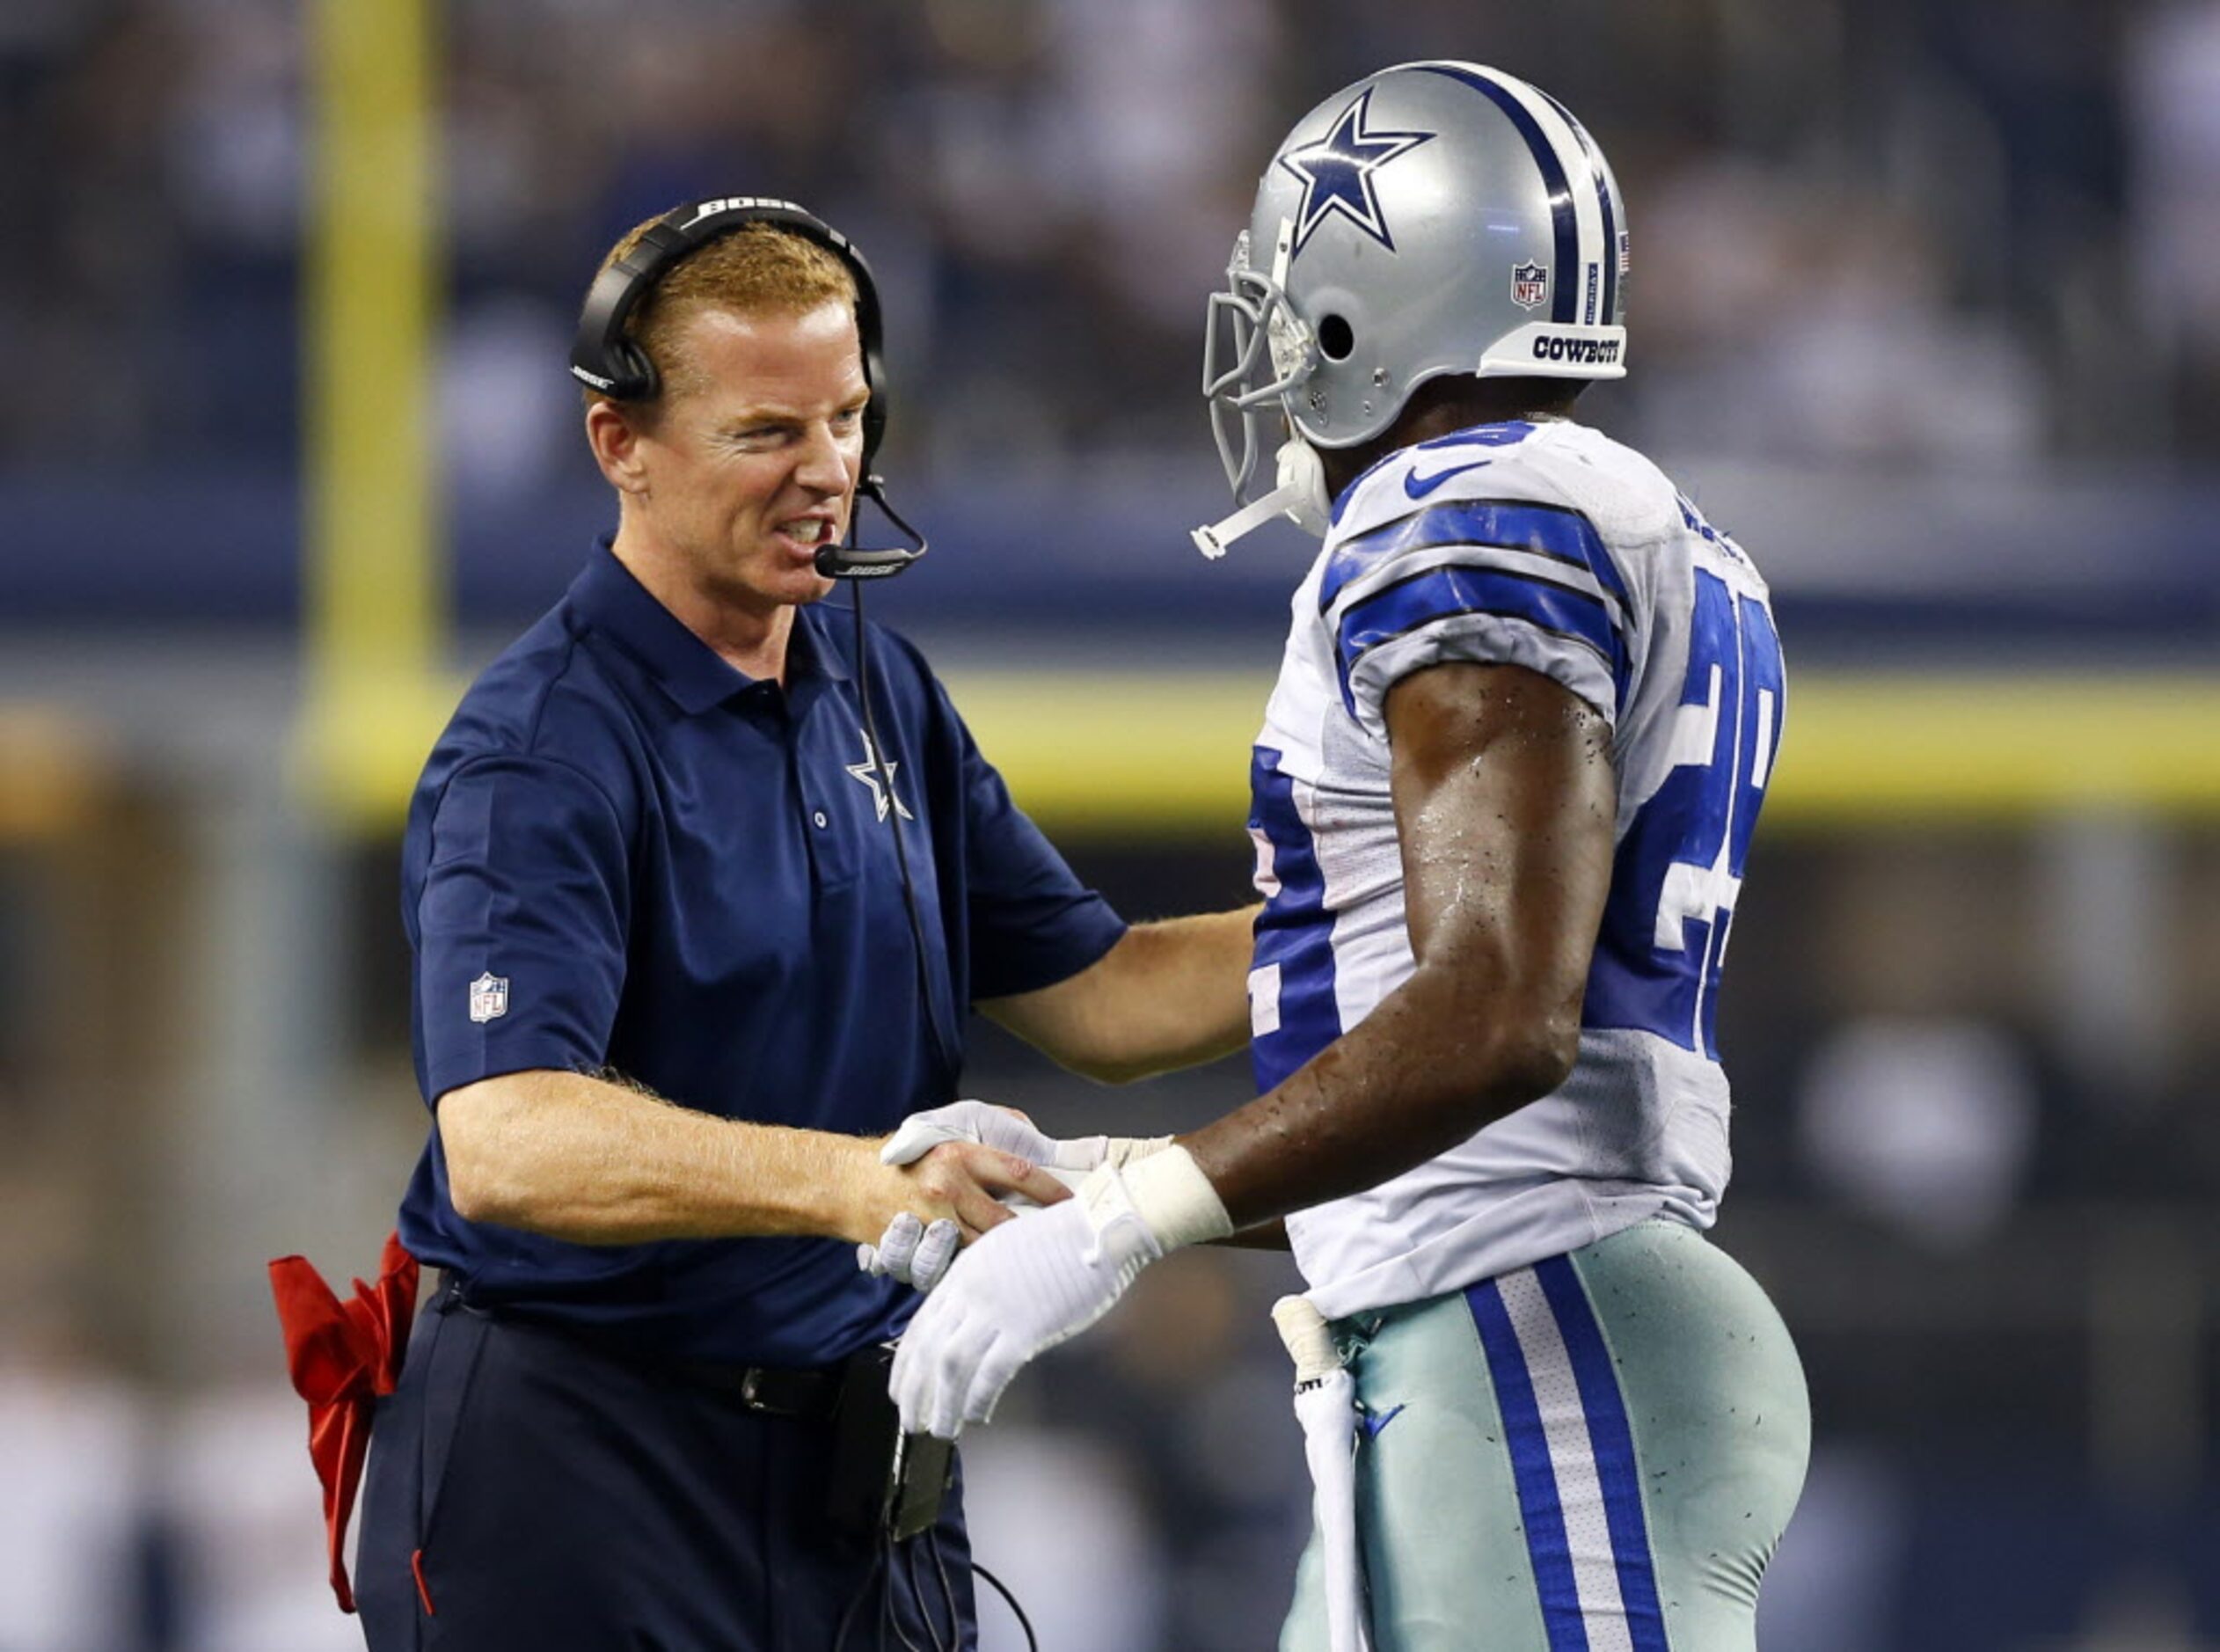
[(882, 1480)]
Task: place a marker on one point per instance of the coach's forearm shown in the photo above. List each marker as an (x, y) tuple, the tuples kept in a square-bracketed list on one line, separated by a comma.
[(1176, 994), (595, 1163), (1170, 994)]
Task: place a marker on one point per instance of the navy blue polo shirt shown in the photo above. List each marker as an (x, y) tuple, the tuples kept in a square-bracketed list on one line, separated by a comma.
[(625, 856)]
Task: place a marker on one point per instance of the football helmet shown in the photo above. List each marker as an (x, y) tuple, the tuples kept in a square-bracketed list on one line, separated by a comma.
[(1432, 218)]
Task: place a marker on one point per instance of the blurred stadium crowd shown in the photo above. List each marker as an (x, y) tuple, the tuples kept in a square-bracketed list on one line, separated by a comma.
[(1895, 230), (1896, 244)]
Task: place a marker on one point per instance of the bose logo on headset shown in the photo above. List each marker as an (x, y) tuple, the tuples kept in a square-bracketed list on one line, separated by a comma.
[(736, 204)]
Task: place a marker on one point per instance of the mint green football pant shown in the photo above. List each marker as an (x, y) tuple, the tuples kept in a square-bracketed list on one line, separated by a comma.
[(1594, 1454)]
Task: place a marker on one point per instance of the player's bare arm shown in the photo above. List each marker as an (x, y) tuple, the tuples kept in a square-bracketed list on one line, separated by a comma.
[(579, 1159), (1504, 795), (1504, 799), (1167, 995)]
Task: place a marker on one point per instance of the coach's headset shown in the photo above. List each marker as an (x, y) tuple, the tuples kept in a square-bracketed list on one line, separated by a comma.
[(604, 359)]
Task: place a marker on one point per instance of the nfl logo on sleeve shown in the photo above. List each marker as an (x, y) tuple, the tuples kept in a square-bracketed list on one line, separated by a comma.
[(1529, 285), (489, 997)]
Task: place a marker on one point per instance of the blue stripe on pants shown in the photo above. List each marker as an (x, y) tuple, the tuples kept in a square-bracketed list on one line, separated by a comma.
[(1612, 1441), (1544, 1518)]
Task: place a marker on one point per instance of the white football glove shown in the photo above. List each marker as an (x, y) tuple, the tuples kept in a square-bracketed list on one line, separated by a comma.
[(1004, 1129), (917, 1255), (910, 1253), (1031, 1284)]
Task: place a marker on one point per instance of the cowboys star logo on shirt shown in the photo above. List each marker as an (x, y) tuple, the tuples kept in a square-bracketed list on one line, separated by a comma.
[(1530, 286), (879, 777), (1337, 173), (489, 997)]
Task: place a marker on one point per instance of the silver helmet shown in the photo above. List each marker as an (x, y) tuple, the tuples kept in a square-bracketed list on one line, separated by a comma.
[(1432, 218)]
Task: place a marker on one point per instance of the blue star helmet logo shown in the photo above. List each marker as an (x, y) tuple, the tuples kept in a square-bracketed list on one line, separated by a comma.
[(1337, 173)]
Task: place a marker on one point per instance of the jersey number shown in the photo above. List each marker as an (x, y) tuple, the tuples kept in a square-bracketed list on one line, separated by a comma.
[(1680, 869)]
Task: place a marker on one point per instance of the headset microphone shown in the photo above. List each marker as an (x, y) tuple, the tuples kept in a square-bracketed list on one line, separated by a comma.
[(846, 562)]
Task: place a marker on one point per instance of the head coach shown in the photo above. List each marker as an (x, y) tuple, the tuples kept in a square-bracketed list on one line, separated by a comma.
[(701, 880)]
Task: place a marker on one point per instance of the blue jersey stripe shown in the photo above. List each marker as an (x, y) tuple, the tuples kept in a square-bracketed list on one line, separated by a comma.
[(1294, 930), (1446, 592), (1564, 220), (1547, 1547), (1563, 536), (1611, 1439)]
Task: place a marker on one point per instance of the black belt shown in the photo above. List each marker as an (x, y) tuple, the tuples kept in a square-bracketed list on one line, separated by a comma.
[(776, 1392), (766, 1388)]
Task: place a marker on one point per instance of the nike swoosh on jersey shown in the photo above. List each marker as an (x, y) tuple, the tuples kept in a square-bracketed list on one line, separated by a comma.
[(1417, 487)]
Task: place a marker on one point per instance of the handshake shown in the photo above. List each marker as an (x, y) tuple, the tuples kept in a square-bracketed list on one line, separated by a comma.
[(1027, 1284), (917, 1253)]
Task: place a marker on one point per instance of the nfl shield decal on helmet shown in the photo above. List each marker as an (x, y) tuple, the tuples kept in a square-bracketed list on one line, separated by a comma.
[(489, 997), (1530, 286)]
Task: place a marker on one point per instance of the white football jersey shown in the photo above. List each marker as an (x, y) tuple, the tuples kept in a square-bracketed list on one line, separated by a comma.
[(1546, 545)]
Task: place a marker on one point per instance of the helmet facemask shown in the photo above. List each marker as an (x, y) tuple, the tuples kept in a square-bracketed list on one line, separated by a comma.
[(1267, 350)]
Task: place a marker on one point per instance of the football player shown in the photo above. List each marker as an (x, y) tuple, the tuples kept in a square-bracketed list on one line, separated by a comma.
[(1502, 801)]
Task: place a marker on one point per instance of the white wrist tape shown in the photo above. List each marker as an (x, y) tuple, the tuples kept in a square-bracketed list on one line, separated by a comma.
[(1123, 1150), (1174, 1199)]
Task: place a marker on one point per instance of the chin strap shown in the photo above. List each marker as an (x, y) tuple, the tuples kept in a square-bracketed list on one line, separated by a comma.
[(1300, 497)]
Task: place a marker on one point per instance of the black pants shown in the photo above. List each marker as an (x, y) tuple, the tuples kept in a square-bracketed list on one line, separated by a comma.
[(531, 1492)]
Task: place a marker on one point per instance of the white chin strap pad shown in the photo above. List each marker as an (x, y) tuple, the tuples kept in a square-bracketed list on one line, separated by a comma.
[(1300, 497)]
